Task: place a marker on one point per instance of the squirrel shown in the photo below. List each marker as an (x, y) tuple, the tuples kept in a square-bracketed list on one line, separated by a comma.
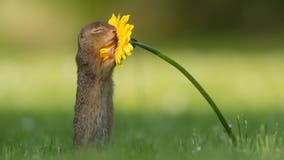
[(93, 118)]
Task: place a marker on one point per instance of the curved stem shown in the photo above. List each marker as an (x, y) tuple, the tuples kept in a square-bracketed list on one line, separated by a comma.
[(194, 82)]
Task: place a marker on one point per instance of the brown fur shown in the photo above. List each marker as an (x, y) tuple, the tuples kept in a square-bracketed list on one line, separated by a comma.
[(94, 105)]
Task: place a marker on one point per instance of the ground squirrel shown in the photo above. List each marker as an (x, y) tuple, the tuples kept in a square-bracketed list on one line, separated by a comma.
[(94, 105)]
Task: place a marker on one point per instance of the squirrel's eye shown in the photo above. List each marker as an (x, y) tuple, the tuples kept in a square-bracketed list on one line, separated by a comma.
[(97, 30)]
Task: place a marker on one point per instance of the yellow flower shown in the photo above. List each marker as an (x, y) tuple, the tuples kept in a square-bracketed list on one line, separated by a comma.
[(123, 31)]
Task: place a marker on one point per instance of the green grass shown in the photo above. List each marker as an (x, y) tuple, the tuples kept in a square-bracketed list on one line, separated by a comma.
[(158, 114), (48, 135)]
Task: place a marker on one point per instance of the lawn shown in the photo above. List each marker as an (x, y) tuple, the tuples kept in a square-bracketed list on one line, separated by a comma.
[(158, 114)]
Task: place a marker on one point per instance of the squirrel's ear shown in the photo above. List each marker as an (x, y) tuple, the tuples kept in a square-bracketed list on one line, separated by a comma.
[(81, 35)]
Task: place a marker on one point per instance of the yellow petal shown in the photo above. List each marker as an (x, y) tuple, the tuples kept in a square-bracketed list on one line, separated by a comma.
[(123, 31), (105, 58), (104, 50)]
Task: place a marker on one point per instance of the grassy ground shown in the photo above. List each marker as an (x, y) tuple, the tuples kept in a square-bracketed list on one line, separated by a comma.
[(48, 135), (158, 115)]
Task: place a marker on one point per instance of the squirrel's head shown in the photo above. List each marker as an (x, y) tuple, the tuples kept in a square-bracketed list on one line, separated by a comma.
[(92, 38)]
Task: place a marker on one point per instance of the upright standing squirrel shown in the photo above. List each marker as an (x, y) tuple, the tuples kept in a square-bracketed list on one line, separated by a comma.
[(93, 117)]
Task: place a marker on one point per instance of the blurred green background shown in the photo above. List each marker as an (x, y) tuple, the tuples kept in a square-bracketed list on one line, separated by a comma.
[(233, 47)]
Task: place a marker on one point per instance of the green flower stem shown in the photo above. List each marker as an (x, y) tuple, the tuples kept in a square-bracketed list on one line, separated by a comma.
[(194, 82)]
